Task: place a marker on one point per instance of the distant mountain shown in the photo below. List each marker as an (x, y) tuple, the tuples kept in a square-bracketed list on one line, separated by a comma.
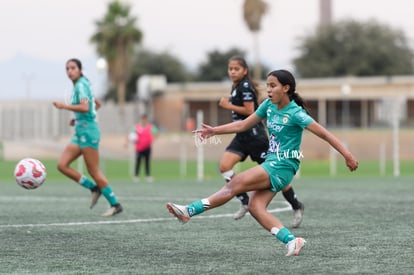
[(26, 77)]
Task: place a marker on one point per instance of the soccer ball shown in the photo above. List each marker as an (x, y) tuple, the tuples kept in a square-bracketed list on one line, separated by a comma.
[(30, 173), (133, 137)]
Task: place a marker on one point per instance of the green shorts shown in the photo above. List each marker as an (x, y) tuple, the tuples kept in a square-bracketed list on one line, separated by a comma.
[(87, 134), (280, 173)]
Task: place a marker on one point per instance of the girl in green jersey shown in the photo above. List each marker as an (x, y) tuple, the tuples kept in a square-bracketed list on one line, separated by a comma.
[(286, 118), (242, 102), (85, 140)]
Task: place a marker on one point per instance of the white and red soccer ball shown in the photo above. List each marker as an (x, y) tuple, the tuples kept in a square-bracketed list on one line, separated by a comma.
[(30, 173)]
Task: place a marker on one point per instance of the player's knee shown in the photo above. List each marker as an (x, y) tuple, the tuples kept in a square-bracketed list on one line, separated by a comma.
[(61, 167), (254, 207)]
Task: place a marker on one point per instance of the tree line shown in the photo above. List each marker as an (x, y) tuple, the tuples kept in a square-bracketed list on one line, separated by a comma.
[(343, 48)]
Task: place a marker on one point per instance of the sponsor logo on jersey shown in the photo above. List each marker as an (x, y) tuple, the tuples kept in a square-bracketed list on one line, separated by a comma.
[(233, 93)]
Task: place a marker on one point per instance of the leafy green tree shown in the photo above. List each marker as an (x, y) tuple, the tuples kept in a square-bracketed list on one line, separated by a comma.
[(148, 62), (116, 38), (354, 48), (215, 68)]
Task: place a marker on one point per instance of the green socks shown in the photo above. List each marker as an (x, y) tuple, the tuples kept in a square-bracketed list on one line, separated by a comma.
[(198, 207), (87, 182), (109, 195), (283, 234), (107, 191)]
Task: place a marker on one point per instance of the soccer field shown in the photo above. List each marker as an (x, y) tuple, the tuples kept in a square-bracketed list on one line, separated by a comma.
[(352, 225)]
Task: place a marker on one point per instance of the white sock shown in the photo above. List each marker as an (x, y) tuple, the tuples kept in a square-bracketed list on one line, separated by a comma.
[(206, 203), (228, 175), (274, 230)]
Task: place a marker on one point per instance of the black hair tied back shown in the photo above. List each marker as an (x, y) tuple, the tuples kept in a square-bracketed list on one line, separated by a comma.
[(286, 78)]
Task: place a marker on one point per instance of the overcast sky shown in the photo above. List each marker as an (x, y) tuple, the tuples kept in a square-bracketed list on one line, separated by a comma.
[(55, 30), (38, 36)]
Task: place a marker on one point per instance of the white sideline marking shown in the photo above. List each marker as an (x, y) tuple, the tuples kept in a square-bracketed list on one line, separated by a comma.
[(70, 199), (46, 199), (287, 208)]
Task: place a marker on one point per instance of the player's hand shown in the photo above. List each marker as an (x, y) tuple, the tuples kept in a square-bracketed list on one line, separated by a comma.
[(351, 162), (224, 102), (98, 104), (206, 131), (59, 104)]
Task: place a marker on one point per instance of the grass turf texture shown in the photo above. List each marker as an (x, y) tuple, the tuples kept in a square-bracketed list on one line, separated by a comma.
[(353, 225), (161, 169)]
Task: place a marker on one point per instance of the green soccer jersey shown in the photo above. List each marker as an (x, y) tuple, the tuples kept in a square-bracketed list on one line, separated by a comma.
[(285, 128), (82, 90)]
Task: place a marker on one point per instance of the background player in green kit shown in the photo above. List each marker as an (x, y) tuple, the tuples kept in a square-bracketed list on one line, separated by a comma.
[(242, 102), (85, 140), (285, 120)]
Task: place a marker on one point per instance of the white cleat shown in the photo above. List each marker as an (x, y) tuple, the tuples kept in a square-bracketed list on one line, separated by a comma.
[(298, 216), (179, 211), (95, 195), (242, 212), (294, 246), (113, 210)]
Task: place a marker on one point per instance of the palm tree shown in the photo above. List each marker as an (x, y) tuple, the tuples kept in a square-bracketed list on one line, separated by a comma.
[(253, 11), (115, 40)]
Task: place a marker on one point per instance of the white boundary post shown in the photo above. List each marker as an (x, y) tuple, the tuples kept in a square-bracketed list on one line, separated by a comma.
[(382, 159), (200, 151), (80, 164), (398, 106), (131, 159), (183, 155), (332, 162), (396, 142)]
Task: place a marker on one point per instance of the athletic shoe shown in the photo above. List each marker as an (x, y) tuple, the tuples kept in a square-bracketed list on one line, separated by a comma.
[(294, 246), (242, 212), (179, 211), (298, 216), (113, 210), (96, 194), (135, 179), (149, 179)]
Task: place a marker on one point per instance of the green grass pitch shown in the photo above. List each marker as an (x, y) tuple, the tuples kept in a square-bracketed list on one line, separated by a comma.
[(353, 224)]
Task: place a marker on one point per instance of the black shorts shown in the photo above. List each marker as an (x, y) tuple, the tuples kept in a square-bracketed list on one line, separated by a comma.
[(255, 147)]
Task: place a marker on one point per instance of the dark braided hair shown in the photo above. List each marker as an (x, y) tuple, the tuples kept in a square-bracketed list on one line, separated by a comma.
[(286, 78)]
